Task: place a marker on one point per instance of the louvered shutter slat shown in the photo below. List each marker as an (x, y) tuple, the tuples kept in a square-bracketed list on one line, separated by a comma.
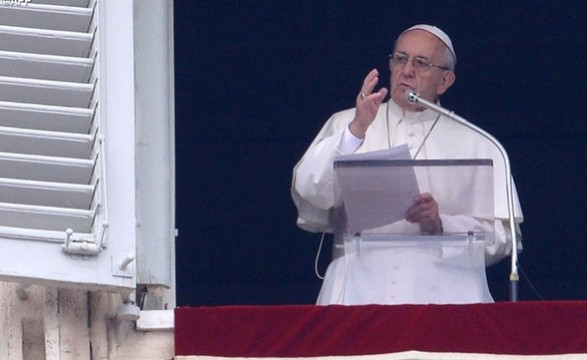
[(46, 168), (48, 143), (78, 3), (45, 67), (46, 218), (48, 42), (46, 117), (50, 17), (45, 92), (28, 192)]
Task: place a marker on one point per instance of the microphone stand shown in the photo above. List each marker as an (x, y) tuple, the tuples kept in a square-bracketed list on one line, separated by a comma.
[(414, 97)]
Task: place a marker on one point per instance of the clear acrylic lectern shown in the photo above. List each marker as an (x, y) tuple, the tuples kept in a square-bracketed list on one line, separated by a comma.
[(371, 200)]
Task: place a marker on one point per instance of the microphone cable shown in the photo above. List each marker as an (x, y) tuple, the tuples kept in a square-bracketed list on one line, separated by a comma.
[(536, 292), (321, 277)]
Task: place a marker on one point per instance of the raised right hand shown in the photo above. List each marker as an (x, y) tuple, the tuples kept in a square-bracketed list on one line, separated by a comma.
[(367, 104)]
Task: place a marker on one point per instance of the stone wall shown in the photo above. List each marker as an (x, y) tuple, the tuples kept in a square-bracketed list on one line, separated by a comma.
[(69, 324)]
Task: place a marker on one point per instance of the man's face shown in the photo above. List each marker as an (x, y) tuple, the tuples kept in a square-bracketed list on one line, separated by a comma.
[(429, 84)]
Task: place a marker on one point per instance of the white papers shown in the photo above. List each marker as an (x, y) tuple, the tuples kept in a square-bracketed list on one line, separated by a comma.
[(376, 191), (401, 152)]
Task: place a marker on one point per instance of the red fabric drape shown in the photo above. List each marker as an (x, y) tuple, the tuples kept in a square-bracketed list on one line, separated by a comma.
[(522, 328)]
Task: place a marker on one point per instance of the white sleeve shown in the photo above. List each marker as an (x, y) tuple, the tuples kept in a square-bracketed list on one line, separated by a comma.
[(313, 176), (349, 142)]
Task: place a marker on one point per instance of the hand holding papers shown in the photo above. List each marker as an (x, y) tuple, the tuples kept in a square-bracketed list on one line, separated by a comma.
[(376, 191)]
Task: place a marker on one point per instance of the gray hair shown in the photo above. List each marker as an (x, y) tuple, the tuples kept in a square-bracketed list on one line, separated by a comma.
[(448, 58)]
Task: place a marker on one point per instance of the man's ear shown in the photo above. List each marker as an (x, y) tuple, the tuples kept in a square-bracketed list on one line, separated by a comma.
[(448, 78)]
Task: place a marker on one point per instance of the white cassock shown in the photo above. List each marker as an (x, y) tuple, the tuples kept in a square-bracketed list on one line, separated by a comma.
[(383, 274)]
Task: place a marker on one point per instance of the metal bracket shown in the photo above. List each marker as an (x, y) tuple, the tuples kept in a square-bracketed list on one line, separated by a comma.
[(123, 266), (86, 246), (79, 247)]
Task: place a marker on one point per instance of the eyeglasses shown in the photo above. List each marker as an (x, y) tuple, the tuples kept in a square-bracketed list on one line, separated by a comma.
[(421, 64)]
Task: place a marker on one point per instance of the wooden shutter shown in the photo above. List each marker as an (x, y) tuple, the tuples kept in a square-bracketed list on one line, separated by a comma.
[(57, 148)]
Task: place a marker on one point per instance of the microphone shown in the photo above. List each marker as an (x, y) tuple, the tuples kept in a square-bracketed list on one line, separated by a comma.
[(414, 98)]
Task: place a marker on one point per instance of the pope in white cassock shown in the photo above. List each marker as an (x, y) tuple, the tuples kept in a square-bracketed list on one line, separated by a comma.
[(423, 61)]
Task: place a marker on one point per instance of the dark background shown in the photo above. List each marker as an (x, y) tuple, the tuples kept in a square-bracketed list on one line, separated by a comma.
[(255, 81)]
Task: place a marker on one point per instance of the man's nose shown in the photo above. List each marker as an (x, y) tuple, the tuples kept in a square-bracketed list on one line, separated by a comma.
[(408, 68)]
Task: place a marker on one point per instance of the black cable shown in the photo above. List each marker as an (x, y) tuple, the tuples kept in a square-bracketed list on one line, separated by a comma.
[(528, 281)]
